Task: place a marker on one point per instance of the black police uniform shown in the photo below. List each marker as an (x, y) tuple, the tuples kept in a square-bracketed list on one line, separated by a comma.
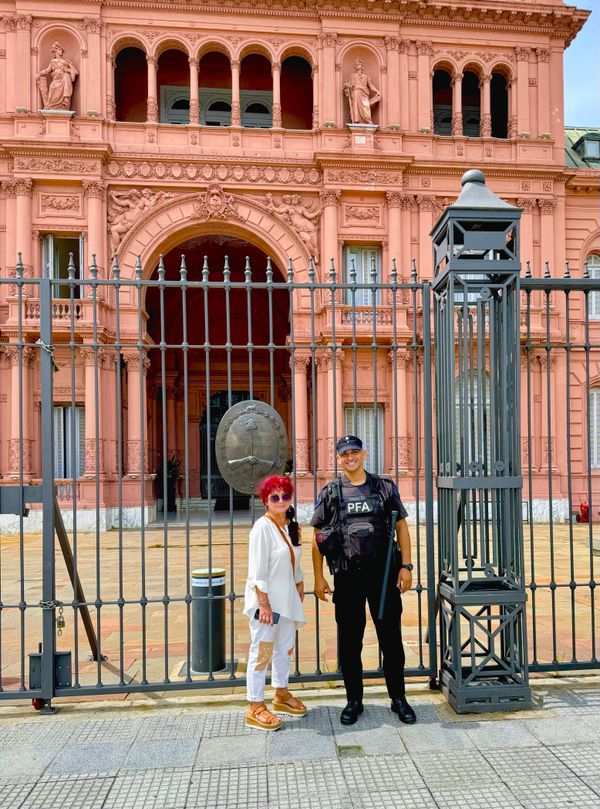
[(364, 525)]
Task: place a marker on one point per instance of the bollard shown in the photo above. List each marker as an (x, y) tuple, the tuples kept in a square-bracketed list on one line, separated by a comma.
[(208, 648)]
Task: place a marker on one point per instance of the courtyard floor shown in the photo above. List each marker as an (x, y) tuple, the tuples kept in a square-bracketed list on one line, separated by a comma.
[(196, 753), (152, 643)]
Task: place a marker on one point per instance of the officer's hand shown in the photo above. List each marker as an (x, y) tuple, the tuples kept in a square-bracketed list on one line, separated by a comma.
[(322, 589), (266, 614), (404, 580)]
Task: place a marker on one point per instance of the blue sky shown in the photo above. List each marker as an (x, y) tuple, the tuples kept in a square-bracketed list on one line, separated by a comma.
[(582, 71)]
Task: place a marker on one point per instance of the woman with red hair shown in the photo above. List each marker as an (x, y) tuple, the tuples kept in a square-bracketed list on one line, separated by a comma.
[(273, 604)]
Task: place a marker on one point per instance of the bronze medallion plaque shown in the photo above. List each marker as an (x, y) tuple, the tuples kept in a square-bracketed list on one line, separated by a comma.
[(251, 443)]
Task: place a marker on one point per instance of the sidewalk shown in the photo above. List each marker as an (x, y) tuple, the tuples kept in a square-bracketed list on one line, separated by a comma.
[(194, 754)]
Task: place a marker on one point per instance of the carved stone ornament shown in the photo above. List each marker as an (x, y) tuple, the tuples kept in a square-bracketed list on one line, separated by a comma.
[(60, 202), (302, 219), (126, 208), (216, 204), (358, 90), (251, 443), (57, 95)]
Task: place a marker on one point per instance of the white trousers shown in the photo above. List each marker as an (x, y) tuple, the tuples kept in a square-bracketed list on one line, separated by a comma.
[(269, 644)]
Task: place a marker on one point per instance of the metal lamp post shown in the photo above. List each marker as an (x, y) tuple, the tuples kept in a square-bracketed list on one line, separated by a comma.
[(477, 360)]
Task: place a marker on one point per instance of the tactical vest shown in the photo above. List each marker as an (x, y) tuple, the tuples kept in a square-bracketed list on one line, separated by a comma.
[(362, 522)]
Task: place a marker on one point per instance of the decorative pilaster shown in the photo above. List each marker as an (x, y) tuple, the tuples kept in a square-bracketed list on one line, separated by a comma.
[(194, 100), (111, 110), (400, 362), (426, 205), (513, 128), (485, 127), (328, 43), (392, 45), (276, 74), (92, 437), (9, 188), (394, 202), (547, 207), (529, 207), (315, 86), (236, 113), (457, 117), (152, 103), (301, 362), (543, 70), (20, 439), (137, 412), (330, 200), (22, 76), (523, 125), (335, 405), (403, 48), (94, 193), (425, 103), (24, 195)]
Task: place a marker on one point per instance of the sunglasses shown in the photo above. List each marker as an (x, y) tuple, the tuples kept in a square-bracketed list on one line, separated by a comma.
[(275, 498)]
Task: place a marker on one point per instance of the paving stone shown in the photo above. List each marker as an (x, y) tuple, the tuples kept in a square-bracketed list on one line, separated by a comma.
[(463, 767), (227, 750), (225, 724), (231, 787), (410, 799), (157, 753), (383, 741), (593, 782), (106, 758), (473, 797), (158, 789), (374, 716), (556, 794), (19, 761), (313, 784), (516, 766), (55, 733), (564, 730), (188, 726), (79, 793), (286, 744), (435, 737), (582, 759), (389, 773), (13, 795), (502, 734), (316, 719)]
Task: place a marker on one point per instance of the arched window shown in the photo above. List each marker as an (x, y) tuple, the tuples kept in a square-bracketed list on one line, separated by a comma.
[(178, 111), (499, 105), (173, 80), (131, 85), (218, 114), (593, 265), (256, 115), (256, 91), (296, 93), (471, 104), (442, 103), (214, 78)]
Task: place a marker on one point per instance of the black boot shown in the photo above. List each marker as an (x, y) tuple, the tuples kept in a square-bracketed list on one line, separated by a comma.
[(405, 713), (351, 712)]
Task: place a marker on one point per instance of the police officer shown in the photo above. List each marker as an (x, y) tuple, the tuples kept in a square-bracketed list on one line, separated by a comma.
[(355, 509)]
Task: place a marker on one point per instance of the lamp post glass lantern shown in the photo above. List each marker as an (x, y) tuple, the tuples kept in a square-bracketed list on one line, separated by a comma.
[(477, 361)]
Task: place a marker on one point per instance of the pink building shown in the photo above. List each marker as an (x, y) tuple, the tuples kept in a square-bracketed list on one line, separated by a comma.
[(282, 131)]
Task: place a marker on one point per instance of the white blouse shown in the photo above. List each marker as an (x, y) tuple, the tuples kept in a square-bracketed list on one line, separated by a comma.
[(270, 569)]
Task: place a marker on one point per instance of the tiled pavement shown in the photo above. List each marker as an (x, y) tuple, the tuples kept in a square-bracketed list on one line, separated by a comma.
[(195, 757)]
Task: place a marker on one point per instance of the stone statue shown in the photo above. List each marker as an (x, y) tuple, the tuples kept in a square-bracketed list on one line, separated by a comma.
[(301, 218), (57, 95), (126, 208), (358, 91)]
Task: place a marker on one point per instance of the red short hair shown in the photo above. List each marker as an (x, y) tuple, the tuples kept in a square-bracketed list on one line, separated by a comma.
[(274, 483)]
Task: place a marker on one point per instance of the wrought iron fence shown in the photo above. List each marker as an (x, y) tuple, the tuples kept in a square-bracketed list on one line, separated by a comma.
[(153, 361)]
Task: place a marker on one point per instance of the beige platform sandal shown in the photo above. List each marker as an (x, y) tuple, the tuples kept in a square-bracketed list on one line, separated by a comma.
[(290, 705), (253, 718)]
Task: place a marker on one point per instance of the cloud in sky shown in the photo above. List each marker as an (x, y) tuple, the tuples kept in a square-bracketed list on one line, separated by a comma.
[(582, 71)]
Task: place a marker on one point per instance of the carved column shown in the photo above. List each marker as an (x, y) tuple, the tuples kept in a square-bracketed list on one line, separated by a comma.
[(236, 112), (513, 122), (10, 23), (543, 77), (194, 98), (523, 126), (10, 244), (401, 368), (485, 127), (24, 193), (425, 204), (394, 201), (137, 412), (111, 110), (93, 191), (152, 103), (315, 86), (108, 424), (407, 201), (335, 404), (547, 208), (301, 361), (529, 207), (276, 73), (457, 117), (328, 99), (22, 66), (330, 200), (92, 104), (403, 46), (20, 411), (425, 104), (393, 66), (93, 446)]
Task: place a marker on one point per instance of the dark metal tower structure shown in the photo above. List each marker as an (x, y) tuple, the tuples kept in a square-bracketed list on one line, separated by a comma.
[(480, 540)]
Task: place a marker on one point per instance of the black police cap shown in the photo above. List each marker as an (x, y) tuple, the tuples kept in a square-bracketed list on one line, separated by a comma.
[(348, 442)]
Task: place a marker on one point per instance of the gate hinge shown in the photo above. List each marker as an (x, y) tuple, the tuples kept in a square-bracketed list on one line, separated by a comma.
[(49, 349)]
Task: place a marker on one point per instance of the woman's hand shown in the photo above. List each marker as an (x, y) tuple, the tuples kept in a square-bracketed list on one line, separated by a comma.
[(265, 613), (300, 589)]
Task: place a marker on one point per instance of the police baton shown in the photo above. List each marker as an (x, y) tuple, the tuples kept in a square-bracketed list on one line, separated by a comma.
[(388, 562)]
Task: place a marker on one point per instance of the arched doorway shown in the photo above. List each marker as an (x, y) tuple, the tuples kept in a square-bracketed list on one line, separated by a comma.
[(236, 334)]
